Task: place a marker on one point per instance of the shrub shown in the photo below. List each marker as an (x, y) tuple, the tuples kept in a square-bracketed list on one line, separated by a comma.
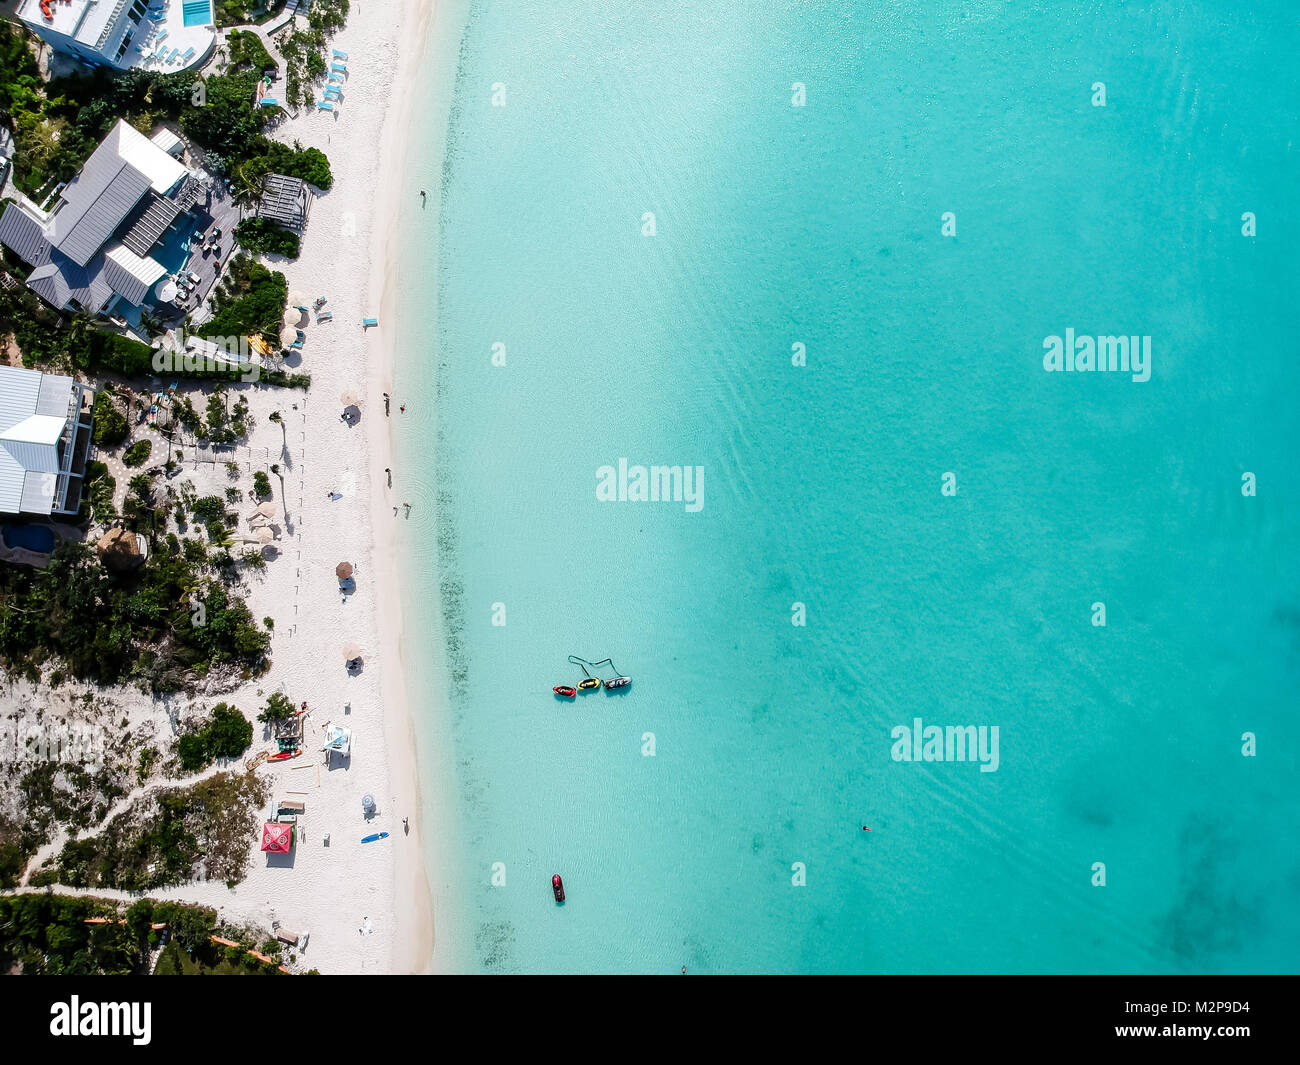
[(261, 484), (138, 453), (266, 237), (209, 509), (110, 423)]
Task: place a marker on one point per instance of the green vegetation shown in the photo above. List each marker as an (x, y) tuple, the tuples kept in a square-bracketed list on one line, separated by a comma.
[(250, 299), (161, 840), (56, 126), (48, 934), (138, 454), (45, 340), (242, 12), (304, 50), (209, 959), (261, 485), (226, 734), (278, 707), (248, 52), (261, 235), (97, 495), (110, 423), (164, 624)]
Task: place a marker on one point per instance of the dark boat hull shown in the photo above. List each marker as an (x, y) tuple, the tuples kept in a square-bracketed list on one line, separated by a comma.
[(557, 887)]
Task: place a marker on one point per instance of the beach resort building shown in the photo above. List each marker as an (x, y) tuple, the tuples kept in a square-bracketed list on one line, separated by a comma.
[(45, 424), (116, 231), (165, 35)]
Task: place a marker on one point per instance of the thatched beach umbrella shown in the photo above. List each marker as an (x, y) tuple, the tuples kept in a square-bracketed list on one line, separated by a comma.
[(294, 316), (351, 651), (299, 300), (343, 570), (263, 535), (267, 510), (288, 335), (350, 399), (119, 550)]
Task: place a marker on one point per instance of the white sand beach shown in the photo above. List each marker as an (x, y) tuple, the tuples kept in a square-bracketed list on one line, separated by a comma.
[(367, 906)]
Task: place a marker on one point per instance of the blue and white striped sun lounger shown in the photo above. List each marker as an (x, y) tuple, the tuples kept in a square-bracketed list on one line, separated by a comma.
[(172, 58), (338, 68), (162, 36), (335, 80), (188, 54), (340, 55), (322, 105), (367, 323), (333, 94)]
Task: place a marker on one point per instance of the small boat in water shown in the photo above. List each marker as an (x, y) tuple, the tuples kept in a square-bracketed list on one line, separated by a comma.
[(557, 886), (284, 756), (590, 684), (374, 836), (565, 690), (618, 682)]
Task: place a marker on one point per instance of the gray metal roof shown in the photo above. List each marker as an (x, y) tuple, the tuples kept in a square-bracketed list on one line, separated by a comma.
[(24, 235), (148, 222), (97, 200), (285, 200), (131, 280), (62, 280)]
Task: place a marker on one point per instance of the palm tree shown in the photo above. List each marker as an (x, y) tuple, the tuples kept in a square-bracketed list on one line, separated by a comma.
[(284, 440), (151, 324)]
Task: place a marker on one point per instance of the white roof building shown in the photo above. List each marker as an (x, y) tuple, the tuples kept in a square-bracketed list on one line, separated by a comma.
[(45, 424), (125, 33)]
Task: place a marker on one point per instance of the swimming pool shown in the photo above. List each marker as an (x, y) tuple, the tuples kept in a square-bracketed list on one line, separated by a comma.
[(197, 12), (33, 537)]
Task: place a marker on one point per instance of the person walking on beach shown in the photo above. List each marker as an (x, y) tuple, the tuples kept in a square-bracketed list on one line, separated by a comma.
[(402, 408), (388, 471), (387, 404), (423, 194), (408, 509)]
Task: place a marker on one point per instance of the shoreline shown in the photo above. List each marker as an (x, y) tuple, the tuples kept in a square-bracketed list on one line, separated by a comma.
[(412, 949), (334, 505)]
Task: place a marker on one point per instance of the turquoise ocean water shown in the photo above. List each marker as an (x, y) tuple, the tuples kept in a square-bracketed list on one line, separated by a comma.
[(821, 225)]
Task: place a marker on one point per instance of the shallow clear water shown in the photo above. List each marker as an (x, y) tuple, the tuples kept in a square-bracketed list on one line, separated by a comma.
[(821, 225)]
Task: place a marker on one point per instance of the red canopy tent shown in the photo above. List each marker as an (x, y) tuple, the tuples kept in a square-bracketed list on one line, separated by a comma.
[(278, 839)]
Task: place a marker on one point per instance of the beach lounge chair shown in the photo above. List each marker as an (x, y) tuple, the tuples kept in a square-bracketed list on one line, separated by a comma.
[(366, 323), (172, 58), (338, 68), (162, 36), (322, 105), (269, 101), (333, 94), (340, 55), (324, 316), (335, 80), (188, 54)]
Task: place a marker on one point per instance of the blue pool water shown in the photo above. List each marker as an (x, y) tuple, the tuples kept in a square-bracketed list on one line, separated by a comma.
[(1121, 746), (32, 537), (197, 12)]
